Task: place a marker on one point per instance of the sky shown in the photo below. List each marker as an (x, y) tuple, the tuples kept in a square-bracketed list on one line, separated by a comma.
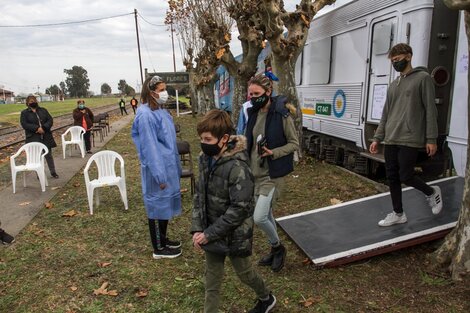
[(34, 58)]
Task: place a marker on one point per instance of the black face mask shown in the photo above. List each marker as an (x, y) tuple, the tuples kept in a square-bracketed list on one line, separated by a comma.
[(33, 105), (211, 149), (399, 66), (259, 102)]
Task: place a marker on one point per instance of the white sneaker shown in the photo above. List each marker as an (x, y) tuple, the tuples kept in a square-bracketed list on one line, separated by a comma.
[(392, 219), (435, 200)]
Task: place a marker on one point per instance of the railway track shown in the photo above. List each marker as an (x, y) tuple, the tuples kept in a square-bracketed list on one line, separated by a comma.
[(14, 135)]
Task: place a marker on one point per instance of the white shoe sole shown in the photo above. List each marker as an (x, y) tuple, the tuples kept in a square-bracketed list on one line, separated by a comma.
[(269, 308), (158, 257), (382, 223)]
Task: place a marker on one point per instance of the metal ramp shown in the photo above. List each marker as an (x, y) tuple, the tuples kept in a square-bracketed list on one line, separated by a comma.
[(347, 232)]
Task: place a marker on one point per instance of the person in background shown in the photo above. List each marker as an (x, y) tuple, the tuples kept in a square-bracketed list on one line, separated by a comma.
[(122, 106), (243, 117), (222, 218), (5, 237), (408, 124), (154, 135), (82, 116), (37, 124), (271, 142), (134, 104)]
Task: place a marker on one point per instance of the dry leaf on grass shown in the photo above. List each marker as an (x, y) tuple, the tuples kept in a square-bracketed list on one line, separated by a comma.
[(142, 293), (70, 213), (307, 261), (104, 264), (55, 188), (184, 190), (335, 201), (310, 301), (104, 291), (77, 184), (48, 205), (73, 288), (25, 203)]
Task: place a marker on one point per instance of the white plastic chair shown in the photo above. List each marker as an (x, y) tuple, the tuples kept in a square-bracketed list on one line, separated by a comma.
[(35, 152), (76, 133), (105, 161)]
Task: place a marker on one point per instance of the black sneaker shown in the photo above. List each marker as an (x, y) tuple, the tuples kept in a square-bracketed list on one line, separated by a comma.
[(166, 253), (173, 244), (89, 152), (6, 238), (264, 306), (279, 257), (54, 175)]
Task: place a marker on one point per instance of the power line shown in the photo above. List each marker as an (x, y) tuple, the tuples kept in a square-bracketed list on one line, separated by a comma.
[(66, 23), (158, 25)]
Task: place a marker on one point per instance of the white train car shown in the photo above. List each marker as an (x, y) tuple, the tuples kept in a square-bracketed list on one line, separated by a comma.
[(343, 74), (458, 133)]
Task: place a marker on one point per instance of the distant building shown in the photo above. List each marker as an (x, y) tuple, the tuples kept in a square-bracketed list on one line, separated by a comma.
[(6, 96)]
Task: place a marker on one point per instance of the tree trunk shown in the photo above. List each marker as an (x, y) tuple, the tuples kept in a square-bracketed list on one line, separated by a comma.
[(194, 98), (284, 69), (455, 251), (240, 90)]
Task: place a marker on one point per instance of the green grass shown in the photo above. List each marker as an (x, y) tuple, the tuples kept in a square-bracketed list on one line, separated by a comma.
[(10, 113), (53, 266)]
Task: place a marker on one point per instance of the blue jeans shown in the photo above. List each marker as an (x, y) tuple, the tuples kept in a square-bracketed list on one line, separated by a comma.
[(264, 218)]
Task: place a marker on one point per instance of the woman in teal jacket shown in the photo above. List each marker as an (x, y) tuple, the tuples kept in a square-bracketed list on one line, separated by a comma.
[(154, 135)]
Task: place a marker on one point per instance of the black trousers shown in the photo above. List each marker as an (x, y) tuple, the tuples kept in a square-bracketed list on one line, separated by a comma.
[(123, 109), (158, 233), (399, 166), (50, 162), (86, 137)]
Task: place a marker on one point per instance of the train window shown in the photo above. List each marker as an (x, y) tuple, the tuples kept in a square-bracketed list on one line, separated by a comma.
[(382, 38), (317, 61)]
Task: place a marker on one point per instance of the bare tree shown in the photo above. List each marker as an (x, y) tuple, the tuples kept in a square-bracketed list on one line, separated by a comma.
[(200, 58), (454, 253), (287, 33)]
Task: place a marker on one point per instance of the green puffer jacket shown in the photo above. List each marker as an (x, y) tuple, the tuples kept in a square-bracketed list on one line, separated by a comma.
[(224, 203)]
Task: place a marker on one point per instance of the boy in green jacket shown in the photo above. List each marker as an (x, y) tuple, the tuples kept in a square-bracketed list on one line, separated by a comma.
[(408, 124), (222, 218)]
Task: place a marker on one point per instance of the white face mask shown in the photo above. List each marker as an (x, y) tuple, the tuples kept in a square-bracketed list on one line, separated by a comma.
[(162, 97)]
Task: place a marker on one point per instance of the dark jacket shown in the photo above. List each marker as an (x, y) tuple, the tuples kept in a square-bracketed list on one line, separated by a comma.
[(31, 121), (275, 135), (224, 203), (78, 117)]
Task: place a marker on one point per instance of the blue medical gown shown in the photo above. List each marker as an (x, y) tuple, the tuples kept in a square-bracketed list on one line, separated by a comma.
[(153, 133)]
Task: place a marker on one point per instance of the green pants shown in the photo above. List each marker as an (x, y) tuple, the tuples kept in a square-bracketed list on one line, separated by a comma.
[(215, 275)]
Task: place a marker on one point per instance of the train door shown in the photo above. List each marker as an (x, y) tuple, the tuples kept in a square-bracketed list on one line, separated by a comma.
[(380, 72)]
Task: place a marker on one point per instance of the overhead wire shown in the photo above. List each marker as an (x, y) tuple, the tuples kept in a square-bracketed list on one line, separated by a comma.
[(146, 47), (66, 23), (145, 20)]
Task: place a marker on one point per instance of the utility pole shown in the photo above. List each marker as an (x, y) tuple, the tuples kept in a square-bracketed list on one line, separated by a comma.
[(138, 46), (174, 67)]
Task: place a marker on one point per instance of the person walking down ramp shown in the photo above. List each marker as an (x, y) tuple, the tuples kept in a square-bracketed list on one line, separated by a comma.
[(122, 106), (408, 124), (154, 135)]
